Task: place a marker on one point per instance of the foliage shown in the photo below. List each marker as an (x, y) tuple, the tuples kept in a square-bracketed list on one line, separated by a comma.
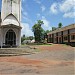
[(26, 38), (38, 31), (60, 25), (54, 28), (47, 31), (41, 44), (22, 39), (45, 34), (31, 37)]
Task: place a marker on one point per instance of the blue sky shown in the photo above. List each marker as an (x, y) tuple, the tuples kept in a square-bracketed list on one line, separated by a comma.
[(51, 12)]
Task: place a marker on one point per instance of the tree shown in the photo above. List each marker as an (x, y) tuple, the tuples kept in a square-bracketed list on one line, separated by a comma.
[(54, 28), (24, 36), (38, 31), (22, 39), (31, 37), (60, 25), (45, 34), (47, 31)]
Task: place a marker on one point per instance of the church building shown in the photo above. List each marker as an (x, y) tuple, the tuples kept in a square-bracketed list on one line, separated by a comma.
[(10, 26)]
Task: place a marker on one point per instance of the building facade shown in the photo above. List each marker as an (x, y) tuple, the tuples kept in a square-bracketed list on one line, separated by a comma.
[(62, 35), (10, 26)]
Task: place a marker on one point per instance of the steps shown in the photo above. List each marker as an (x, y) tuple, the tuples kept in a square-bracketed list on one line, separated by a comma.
[(16, 51)]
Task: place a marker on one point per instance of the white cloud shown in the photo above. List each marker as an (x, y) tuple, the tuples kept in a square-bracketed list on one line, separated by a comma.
[(66, 7), (22, 0), (69, 14), (46, 25), (53, 8), (43, 8), (38, 1), (25, 13), (38, 15), (26, 29), (25, 16)]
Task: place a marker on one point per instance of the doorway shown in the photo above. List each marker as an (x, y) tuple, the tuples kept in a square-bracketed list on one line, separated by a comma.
[(10, 38)]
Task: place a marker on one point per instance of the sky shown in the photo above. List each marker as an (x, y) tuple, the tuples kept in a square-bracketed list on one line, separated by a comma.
[(51, 12)]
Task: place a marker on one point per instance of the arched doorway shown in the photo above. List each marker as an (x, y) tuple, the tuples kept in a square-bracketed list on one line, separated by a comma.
[(10, 38)]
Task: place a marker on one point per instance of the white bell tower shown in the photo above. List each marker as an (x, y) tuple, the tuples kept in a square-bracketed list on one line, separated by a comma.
[(11, 8), (10, 28)]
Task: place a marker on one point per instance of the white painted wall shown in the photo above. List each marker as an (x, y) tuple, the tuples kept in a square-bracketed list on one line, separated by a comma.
[(8, 8), (3, 32), (9, 21)]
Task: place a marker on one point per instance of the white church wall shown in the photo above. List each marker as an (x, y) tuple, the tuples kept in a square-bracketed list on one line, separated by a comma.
[(3, 32), (17, 32), (8, 8), (8, 11), (15, 9), (0, 36), (10, 20), (18, 35)]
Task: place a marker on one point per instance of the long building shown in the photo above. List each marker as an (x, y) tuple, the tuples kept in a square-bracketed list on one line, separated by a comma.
[(62, 35)]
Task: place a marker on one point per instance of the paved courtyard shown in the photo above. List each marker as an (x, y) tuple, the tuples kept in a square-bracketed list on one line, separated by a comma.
[(46, 60)]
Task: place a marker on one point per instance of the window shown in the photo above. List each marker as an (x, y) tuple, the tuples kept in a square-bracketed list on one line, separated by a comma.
[(72, 37), (65, 38), (55, 39), (59, 38)]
